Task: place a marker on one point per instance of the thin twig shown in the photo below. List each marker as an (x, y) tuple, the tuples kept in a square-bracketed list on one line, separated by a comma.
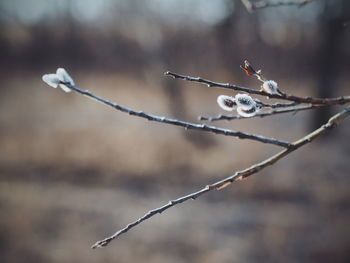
[(279, 105), (186, 125), (332, 122), (260, 114), (311, 100), (251, 6)]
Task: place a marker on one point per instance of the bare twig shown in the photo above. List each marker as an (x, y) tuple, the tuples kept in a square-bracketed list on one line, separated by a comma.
[(332, 122), (65, 82), (186, 125), (261, 114), (311, 100), (279, 105), (251, 6)]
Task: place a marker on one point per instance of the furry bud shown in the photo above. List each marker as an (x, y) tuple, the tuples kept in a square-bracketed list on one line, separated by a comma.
[(61, 78), (248, 113), (270, 87), (51, 80), (226, 102), (244, 101)]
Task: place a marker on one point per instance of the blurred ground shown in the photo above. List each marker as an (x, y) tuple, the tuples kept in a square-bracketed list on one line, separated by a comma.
[(72, 174), (73, 171)]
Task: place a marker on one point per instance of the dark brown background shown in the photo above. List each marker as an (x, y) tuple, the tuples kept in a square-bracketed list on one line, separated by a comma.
[(73, 171)]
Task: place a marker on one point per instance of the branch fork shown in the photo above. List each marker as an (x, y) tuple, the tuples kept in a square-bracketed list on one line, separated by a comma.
[(244, 104)]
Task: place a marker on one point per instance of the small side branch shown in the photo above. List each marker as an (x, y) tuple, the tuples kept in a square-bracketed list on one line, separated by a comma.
[(252, 6), (260, 114), (186, 125), (279, 105), (311, 100), (332, 122)]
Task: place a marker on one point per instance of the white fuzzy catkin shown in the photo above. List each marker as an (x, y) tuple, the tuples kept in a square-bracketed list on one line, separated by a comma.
[(61, 79), (244, 101), (248, 113), (226, 102), (64, 76), (51, 79), (270, 87)]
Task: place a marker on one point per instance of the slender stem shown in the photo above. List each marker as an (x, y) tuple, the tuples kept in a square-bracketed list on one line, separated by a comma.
[(263, 4), (209, 83), (261, 114), (186, 125), (279, 105), (239, 175)]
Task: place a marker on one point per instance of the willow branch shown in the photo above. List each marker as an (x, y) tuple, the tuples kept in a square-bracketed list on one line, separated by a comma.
[(239, 175), (279, 105), (186, 125), (311, 100), (251, 6), (261, 114)]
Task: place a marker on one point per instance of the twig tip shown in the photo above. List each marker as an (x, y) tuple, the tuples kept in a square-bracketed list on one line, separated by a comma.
[(169, 73), (94, 246)]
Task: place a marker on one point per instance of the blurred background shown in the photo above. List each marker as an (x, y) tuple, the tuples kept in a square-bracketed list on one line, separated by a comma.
[(73, 171)]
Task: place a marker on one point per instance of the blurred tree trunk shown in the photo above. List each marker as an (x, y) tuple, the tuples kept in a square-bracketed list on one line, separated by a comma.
[(329, 61), (226, 34), (176, 97)]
